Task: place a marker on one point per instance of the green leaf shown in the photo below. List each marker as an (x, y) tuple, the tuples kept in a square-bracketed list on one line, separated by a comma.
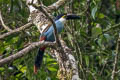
[(101, 16), (1, 68), (99, 42), (87, 60), (96, 31), (52, 69), (94, 10), (107, 36), (23, 69)]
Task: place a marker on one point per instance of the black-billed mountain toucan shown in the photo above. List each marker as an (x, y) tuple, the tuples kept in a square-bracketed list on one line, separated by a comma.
[(49, 36)]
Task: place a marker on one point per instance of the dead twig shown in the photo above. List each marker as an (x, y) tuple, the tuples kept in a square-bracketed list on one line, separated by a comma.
[(116, 60), (3, 24), (15, 30)]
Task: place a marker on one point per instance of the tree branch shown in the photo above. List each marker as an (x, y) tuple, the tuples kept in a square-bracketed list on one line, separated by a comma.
[(3, 24), (24, 51), (16, 30), (57, 4), (116, 60)]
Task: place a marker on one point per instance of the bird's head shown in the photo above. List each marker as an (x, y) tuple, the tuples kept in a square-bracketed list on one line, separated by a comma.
[(67, 16)]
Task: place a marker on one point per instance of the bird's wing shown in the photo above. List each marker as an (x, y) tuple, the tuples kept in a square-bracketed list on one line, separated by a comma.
[(47, 27)]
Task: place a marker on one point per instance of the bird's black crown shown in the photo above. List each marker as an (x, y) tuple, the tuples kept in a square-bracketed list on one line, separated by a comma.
[(59, 16), (67, 16)]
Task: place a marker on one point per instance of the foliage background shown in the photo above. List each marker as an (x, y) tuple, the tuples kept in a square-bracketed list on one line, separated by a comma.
[(93, 48)]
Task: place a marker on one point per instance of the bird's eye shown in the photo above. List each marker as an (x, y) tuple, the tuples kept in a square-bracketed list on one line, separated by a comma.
[(63, 16)]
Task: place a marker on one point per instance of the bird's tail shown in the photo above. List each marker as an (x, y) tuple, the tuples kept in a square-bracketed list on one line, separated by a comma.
[(38, 60)]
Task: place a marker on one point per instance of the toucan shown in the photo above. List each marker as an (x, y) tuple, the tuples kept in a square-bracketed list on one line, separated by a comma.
[(48, 35)]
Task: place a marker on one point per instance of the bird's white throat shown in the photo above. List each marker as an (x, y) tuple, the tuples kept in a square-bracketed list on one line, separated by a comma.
[(63, 20)]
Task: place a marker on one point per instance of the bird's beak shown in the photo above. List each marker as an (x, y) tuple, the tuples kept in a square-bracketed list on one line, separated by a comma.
[(72, 16)]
